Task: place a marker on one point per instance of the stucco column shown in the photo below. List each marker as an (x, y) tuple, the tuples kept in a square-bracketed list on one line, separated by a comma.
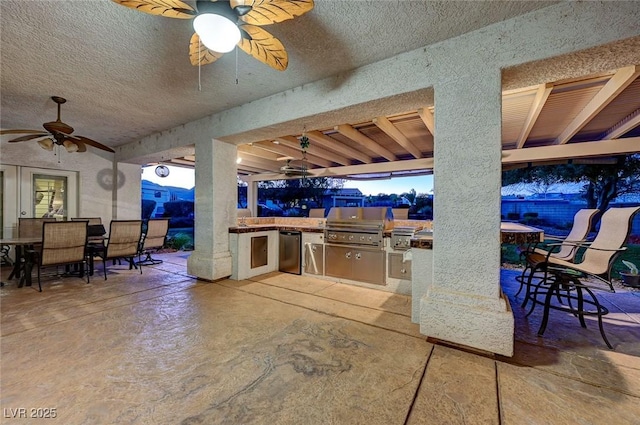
[(252, 197), (465, 304), (215, 209)]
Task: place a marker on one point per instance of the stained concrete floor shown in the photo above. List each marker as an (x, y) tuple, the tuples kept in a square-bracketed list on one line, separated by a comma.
[(164, 348)]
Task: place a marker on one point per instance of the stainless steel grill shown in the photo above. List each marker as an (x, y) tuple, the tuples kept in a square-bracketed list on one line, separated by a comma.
[(358, 226), (354, 243)]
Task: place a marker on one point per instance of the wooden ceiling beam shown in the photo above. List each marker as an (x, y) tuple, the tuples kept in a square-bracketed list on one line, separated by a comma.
[(509, 158), (260, 153), (625, 125), (253, 170), (265, 164), (294, 153), (364, 141), (572, 150), (385, 125), (427, 118), (294, 143), (378, 167), (542, 94), (338, 147), (620, 80)]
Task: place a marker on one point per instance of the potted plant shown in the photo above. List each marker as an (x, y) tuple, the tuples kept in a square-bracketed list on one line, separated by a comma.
[(632, 278)]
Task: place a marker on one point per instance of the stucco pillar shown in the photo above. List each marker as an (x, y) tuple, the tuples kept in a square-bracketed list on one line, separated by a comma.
[(215, 209), (465, 304), (252, 197)]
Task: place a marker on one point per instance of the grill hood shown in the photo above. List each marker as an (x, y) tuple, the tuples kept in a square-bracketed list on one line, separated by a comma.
[(380, 217)]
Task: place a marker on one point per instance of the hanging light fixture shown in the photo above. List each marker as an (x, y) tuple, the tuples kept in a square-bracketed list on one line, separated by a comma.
[(217, 27), (46, 144), (70, 146)]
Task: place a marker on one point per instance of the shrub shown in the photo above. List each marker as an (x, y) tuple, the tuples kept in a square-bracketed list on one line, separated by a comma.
[(531, 214), (513, 216), (180, 241)]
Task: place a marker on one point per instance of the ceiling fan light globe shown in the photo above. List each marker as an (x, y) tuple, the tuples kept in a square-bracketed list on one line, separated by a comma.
[(70, 146), (46, 144), (216, 32)]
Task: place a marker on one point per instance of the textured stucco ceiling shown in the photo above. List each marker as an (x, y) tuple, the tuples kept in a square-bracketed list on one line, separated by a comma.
[(126, 74)]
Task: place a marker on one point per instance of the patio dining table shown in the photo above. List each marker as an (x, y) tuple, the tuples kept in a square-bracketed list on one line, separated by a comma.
[(21, 244), (18, 265)]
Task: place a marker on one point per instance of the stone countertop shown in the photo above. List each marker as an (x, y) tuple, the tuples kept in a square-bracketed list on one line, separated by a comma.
[(307, 225), (267, 227)]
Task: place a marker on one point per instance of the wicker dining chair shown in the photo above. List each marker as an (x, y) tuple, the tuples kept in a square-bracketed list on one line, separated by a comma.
[(63, 244), (153, 240), (31, 227), (91, 220), (123, 242)]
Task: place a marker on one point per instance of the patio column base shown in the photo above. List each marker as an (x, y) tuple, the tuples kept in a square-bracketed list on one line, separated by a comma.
[(467, 319), (208, 266)]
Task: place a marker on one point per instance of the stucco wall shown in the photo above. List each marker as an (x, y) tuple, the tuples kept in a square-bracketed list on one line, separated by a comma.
[(95, 178)]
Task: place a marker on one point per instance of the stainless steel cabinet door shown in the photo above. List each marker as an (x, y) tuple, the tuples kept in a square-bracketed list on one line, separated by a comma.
[(338, 261), (369, 266), (259, 251), (314, 259)]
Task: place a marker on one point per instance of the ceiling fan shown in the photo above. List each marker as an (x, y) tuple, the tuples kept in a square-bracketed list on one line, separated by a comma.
[(291, 170), (57, 133), (221, 25)]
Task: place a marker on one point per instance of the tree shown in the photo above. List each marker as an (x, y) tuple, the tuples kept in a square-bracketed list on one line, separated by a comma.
[(297, 192), (603, 182)]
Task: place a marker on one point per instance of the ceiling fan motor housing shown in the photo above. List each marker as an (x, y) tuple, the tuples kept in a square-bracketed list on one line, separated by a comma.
[(222, 8)]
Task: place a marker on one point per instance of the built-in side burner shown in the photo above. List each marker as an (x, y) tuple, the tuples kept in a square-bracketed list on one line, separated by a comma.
[(401, 237)]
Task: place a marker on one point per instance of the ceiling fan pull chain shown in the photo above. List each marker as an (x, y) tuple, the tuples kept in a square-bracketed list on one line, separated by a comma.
[(199, 58), (236, 65)]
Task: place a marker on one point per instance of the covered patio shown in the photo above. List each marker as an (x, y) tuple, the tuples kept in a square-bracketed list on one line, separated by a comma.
[(456, 92), (164, 347)]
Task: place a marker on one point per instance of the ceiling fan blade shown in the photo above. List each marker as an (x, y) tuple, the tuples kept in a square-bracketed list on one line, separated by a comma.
[(93, 143), (167, 8), (265, 12), (19, 131), (263, 46), (29, 137), (199, 54)]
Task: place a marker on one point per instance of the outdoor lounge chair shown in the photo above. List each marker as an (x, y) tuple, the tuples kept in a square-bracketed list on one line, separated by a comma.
[(566, 250), (569, 280), (123, 242), (153, 240)]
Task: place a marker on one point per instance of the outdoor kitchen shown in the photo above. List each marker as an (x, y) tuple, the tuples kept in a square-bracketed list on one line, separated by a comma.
[(363, 246)]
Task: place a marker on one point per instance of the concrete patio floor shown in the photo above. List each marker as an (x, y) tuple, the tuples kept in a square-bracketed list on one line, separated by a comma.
[(164, 348)]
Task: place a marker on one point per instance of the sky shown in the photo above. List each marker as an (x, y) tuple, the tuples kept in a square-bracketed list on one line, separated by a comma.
[(178, 177), (185, 177)]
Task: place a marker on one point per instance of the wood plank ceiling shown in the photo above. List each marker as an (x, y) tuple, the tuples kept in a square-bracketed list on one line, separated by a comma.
[(596, 108)]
